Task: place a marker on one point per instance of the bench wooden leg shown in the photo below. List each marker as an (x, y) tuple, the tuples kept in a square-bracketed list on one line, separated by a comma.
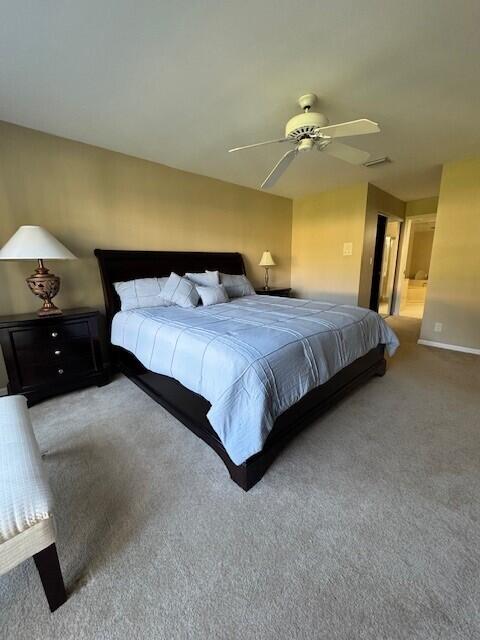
[(51, 576)]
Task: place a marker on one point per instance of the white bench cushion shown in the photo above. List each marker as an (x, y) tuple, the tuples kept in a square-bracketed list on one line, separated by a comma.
[(25, 498)]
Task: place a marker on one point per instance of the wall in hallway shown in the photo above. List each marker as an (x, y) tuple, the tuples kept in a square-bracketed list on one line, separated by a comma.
[(453, 296), (421, 207), (420, 251)]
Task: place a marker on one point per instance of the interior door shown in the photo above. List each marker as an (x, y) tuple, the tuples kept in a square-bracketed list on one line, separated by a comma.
[(389, 267), (402, 285)]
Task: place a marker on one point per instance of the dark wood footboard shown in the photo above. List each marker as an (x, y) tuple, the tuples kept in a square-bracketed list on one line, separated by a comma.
[(191, 409)]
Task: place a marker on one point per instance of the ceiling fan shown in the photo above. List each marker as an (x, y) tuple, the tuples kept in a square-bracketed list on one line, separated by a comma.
[(310, 130)]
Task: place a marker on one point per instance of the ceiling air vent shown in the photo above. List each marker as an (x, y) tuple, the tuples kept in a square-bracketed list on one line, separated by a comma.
[(376, 161)]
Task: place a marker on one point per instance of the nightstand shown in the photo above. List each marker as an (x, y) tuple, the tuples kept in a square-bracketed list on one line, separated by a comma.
[(53, 354), (282, 292)]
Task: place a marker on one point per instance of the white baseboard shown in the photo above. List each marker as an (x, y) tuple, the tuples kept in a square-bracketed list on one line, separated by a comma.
[(452, 347)]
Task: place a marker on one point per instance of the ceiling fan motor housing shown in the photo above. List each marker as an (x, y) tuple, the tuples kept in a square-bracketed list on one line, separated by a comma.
[(305, 125)]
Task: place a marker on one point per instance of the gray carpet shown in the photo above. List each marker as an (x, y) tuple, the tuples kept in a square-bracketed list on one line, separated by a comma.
[(366, 527)]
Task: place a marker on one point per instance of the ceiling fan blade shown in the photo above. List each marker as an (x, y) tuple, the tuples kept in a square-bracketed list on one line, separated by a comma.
[(279, 168), (346, 153), (259, 144), (353, 128)]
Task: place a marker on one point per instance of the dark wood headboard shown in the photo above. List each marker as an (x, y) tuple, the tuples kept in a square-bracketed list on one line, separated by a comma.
[(120, 265)]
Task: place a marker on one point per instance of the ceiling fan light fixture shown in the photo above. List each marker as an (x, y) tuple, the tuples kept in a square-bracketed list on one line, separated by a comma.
[(306, 144)]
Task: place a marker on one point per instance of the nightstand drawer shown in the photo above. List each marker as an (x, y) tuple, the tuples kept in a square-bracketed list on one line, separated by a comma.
[(37, 337), (47, 372), (54, 352)]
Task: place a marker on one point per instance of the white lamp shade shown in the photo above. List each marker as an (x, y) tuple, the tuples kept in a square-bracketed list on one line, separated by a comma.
[(30, 242), (267, 260)]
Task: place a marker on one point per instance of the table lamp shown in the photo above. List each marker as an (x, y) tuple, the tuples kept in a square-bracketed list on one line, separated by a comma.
[(267, 261), (31, 242)]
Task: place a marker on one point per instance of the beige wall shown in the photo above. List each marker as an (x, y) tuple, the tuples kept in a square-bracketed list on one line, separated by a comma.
[(90, 197), (378, 201), (420, 251), (421, 207), (321, 225), (453, 295)]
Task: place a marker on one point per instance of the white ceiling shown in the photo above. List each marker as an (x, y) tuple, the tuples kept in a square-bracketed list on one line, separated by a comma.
[(181, 81)]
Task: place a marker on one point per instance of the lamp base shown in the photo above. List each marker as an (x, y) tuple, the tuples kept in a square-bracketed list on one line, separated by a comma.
[(266, 287), (49, 311), (45, 285)]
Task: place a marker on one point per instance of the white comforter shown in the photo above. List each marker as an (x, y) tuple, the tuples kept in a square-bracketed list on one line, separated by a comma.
[(251, 358)]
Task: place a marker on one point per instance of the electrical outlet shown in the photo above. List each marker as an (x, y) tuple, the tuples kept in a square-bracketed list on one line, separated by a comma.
[(437, 327), (347, 248)]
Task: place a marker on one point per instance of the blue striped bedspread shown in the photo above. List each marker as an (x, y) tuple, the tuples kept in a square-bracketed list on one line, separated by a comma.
[(251, 358)]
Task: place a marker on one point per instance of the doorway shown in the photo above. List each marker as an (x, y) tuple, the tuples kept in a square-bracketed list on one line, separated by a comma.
[(384, 265), (415, 265)]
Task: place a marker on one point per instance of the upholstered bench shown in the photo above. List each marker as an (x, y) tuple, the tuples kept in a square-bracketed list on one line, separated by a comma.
[(26, 522)]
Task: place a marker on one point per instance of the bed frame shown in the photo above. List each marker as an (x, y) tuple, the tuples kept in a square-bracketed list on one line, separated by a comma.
[(189, 407)]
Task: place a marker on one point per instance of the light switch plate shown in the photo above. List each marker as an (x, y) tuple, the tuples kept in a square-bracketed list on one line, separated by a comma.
[(438, 326), (347, 248)]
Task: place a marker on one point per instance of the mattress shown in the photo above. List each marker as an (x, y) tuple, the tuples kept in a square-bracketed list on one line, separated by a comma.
[(253, 357)]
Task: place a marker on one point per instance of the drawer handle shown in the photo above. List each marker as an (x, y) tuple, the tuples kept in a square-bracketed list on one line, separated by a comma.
[(57, 352), (54, 334), (60, 371)]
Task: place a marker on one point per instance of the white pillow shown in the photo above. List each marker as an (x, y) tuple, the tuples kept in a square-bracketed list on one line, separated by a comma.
[(180, 291), (206, 279), (140, 293), (212, 295), (236, 286)]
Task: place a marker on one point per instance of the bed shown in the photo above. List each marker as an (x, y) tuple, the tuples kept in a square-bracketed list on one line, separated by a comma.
[(283, 361)]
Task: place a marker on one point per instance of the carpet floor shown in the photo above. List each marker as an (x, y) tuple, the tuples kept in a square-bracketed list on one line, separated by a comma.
[(366, 527)]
